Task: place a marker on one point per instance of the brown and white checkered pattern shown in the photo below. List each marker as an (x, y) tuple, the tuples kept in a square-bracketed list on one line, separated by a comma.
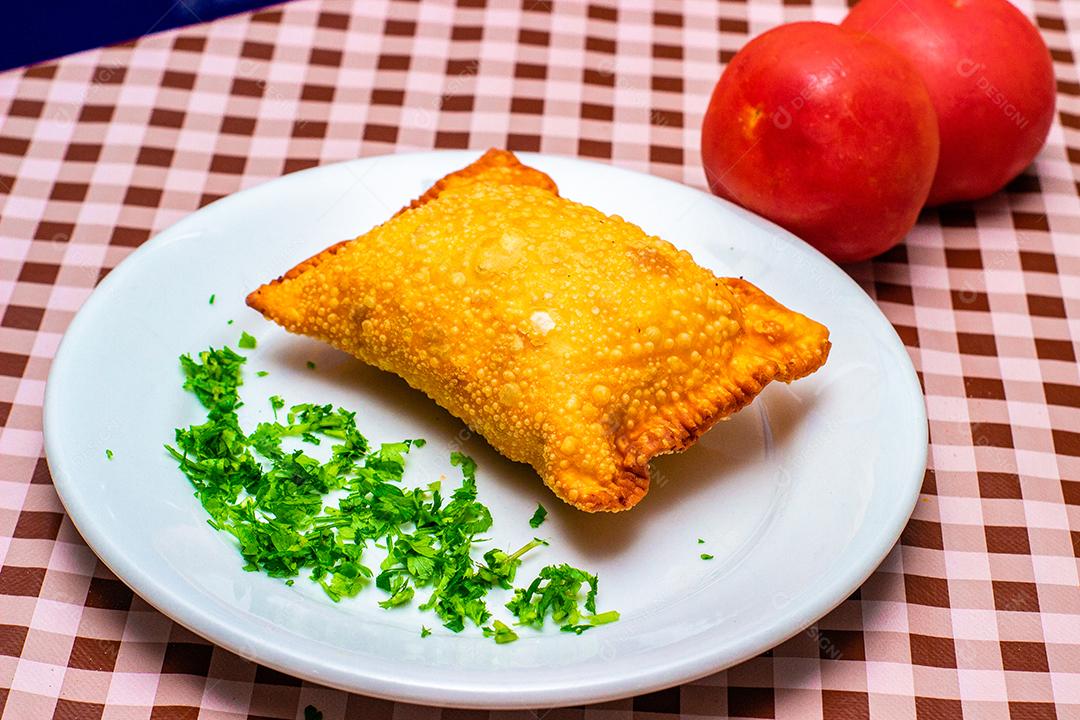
[(975, 614)]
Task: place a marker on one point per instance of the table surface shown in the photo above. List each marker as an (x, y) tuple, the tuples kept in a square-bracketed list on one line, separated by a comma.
[(975, 613)]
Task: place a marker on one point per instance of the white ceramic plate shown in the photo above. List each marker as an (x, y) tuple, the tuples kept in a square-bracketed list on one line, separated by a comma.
[(799, 497)]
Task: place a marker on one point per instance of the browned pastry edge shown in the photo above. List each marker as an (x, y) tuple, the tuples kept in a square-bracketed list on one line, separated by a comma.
[(708, 406), (502, 163)]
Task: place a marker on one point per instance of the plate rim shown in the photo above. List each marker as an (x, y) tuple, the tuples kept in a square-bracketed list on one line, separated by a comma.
[(264, 650)]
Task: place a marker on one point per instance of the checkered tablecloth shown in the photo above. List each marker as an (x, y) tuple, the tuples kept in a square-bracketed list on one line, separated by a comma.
[(975, 614)]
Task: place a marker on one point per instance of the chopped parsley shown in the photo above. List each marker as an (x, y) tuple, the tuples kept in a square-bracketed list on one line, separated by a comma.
[(247, 342), (539, 516), (700, 541), (424, 631), (556, 591), (108, 454), (706, 556), (311, 365), (212, 299), (262, 373), (272, 500)]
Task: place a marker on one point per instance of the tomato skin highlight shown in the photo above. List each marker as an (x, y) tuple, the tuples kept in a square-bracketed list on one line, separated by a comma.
[(991, 79), (830, 134)]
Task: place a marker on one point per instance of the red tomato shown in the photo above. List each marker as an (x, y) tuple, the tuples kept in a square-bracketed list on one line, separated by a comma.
[(827, 133), (990, 76)]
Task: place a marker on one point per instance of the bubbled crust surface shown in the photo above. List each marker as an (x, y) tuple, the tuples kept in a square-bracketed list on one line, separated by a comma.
[(570, 339)]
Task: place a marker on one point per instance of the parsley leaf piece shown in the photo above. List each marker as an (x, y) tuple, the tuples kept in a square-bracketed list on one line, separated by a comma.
[(276, 403), (262, 373), (247, 342), (592, 621), (576, 629), (108, 453), (424, 631), (311, 365), (604, 618), (212, 299), (539, 516), (401, 593), (215, 379), (706, 556), (700, 541), (500, 568), (501, 632)]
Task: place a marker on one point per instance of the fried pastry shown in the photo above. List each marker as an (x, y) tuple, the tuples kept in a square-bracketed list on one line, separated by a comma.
[(570, 339)]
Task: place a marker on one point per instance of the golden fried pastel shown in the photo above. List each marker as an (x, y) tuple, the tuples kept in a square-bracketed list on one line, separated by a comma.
[(568, 338)]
